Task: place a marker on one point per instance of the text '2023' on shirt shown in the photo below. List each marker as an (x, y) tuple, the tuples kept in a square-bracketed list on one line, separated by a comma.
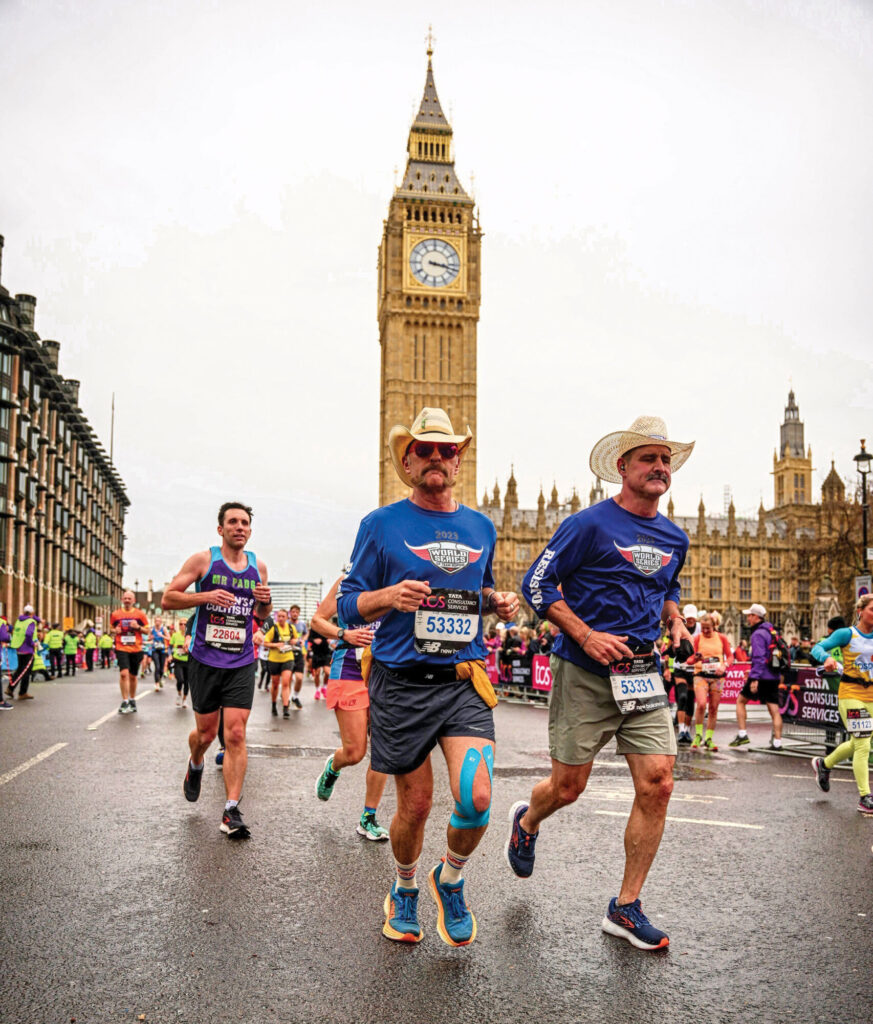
[(615, 570), (452, 551)]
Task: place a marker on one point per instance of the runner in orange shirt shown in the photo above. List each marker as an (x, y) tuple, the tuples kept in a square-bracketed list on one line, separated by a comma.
[(128, 623)]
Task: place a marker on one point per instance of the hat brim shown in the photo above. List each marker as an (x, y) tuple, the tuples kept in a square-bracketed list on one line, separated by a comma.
[(400, 437), (608, 450)]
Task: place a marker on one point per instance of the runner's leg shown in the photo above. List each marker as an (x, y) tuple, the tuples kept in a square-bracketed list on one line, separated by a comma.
[(564, 786), (236, 755), (653, 782)]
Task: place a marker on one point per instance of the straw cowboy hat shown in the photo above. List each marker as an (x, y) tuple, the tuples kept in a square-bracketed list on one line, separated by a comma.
[(429, 425), (644, 430)]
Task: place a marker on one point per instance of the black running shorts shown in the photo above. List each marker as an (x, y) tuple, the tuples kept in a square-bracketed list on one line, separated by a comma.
[(276, 668), (768, 691), (130, 660), (408, 718), (214, 688), (299, 662)]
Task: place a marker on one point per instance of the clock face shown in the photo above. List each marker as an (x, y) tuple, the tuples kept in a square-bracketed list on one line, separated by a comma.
[(434, 262)]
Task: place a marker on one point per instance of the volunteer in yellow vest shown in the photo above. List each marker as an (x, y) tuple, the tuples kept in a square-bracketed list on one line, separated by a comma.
[(71, 647), (90, 648), (23, 642), (279, 640), (180, 664), (54, 639), (105, 645), (855, 700)]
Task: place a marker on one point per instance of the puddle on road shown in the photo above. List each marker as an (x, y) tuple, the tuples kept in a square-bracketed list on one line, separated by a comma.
[(273, 750)]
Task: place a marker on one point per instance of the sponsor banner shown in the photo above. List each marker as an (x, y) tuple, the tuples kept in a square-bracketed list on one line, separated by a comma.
[(810, 706), (541, 672), (520, 673), (734, 680)]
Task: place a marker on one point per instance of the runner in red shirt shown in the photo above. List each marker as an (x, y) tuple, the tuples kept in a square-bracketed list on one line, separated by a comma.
[(128, 623)]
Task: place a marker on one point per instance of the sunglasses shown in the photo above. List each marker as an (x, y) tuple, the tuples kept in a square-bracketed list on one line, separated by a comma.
[(424, 449)]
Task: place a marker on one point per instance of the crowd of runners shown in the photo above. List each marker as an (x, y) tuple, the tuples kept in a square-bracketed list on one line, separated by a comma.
[(396, 651)]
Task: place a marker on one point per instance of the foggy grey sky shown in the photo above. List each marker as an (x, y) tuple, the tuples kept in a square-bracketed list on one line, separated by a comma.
[(677, 213)]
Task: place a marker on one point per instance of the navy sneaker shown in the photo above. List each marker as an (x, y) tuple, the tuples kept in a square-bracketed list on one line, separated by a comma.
[(455, 923), (219, 757), (232, 824), (191, 785), (5, 705), (822, 774), (520, 849), (629, 922), (401, 915)]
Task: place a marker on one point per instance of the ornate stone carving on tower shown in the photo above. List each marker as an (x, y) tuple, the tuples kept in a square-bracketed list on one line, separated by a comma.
[(429, 294)]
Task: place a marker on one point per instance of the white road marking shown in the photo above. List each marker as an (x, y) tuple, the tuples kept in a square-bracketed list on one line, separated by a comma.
[(695, 821), (807, 778), (11, 774), (112, 714)]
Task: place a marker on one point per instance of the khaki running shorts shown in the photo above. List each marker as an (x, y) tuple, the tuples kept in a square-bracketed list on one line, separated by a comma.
[(583, 718)]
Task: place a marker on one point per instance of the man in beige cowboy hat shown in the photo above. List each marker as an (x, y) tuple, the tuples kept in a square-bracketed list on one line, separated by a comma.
[(422, 566), (617, 565)]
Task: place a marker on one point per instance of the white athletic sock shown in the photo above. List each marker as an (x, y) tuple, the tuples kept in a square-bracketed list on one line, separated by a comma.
[(453, 867), (230, 803), (777, 743), (196, 767), (406, 875), (741, 733)]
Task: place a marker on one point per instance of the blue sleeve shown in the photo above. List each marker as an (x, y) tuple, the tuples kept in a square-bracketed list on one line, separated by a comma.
[(488, 574), (561, 557), (839, 638), (365, 574), (674, 591)]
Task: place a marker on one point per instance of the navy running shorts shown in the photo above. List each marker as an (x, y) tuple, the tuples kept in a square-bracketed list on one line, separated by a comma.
[(214, 688), (130, 660), (407, 718)]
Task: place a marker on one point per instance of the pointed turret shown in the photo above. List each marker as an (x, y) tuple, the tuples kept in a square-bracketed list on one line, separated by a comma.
[(762, 522), (833, 490), (554, 505), (597, 492), (701, 518), (575, 503), (670, 508), (732, 519), (431, 166), (541, 510), (495, 497), (511, 490), (485, 500)]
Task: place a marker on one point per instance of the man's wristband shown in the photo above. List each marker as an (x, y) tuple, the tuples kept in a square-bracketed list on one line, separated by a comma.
[(681, 618), (490, 601), (585, 640)]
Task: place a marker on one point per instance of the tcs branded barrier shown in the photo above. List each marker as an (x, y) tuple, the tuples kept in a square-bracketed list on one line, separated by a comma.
[(524, 678)]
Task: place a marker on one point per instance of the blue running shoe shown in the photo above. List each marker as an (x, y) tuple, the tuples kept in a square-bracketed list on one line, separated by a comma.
[(401, 915), (629, 922), (455, 923), (520, 849), (219, 757)]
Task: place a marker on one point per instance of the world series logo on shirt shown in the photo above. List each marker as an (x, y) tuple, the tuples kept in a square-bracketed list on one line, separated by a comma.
[(447, 555), (645, 557)]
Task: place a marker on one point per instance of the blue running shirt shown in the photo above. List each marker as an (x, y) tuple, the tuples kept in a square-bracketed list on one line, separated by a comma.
[(452, 551), (615, 570)]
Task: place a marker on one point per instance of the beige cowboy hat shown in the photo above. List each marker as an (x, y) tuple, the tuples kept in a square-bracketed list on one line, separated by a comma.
[(644, 430), (429, 425)]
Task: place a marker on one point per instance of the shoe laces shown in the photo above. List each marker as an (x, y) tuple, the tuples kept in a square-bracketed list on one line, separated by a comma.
[(634, 911), (455, 900), (404, 905)]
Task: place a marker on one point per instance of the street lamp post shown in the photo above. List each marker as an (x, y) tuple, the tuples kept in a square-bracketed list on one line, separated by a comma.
[(862, 461)]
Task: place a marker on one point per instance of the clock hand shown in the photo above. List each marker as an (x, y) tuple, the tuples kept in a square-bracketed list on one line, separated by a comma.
[(442, 266)]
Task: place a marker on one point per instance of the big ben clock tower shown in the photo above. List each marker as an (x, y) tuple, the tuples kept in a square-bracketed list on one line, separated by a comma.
[(429, 294)]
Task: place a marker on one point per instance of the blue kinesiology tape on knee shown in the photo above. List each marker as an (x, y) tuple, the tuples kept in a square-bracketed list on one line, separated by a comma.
[(466, 815)]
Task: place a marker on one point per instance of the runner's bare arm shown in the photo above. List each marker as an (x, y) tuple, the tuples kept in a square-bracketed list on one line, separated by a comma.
[(263, 598), (175, 596), (322, 624), (602, 647), (405, 596), (671, 615)]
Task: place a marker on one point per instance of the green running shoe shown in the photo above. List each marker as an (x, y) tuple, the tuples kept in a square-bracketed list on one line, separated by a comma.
[(326, 781), (369, 828), (739, 741)]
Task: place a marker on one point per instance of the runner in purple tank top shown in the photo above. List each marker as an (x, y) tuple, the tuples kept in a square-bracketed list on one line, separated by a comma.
[(230, 588)]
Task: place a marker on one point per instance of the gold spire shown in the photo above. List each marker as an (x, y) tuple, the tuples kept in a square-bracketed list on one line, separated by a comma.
[(430, 39)]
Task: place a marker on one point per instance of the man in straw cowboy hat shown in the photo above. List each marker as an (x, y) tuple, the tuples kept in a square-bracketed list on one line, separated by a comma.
[(423, 566), (617, 565)]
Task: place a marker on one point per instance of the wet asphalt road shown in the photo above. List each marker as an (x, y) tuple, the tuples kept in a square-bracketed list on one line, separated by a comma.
[(122, 902)]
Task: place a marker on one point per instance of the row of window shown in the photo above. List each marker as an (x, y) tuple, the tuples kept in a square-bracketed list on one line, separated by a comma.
[(746, 594), (745, 560)]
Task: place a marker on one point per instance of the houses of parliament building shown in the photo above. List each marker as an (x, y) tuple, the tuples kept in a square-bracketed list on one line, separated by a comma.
[(795, 558)]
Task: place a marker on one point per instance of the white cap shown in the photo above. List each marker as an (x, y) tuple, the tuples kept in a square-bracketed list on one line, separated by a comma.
[(689, 611), (756, 609), (28, 609)]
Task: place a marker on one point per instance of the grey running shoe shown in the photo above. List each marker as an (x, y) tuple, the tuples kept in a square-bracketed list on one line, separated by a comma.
[(233, 826), (191, 785), (739, 741)]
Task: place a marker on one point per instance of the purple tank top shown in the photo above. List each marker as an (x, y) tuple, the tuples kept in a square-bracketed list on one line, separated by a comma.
[(223, 636)]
